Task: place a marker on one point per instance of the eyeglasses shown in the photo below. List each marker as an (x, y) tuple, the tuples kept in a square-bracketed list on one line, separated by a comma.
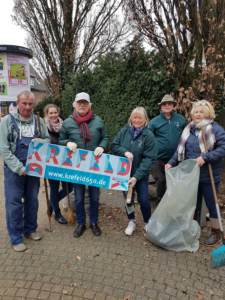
[(85, 103), (167, 103)]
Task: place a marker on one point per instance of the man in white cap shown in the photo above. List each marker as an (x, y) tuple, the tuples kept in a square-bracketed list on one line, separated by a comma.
[(85, 130), (167, 128)]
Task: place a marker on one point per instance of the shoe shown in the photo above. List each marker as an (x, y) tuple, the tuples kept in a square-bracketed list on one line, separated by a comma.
[(35, 236), (19, 247), (145, 227), (61, 220), (130, 227), (214, 238), (79, 230), (96, 229)]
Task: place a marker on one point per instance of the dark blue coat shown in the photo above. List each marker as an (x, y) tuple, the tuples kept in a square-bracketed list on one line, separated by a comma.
[(214, 156)]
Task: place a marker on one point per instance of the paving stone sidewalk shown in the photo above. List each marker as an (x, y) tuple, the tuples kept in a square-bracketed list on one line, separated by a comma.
[(109, 267)]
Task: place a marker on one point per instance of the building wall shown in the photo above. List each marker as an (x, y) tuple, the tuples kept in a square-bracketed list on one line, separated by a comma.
[(39, 96)]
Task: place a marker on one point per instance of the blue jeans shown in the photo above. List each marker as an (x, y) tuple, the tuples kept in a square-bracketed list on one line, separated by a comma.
[(143, 198), (79, 191), (21, 218), (56, 195), (205, 190)]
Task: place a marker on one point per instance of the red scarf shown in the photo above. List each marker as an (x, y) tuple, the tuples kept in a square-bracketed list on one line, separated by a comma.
[(83, 121)]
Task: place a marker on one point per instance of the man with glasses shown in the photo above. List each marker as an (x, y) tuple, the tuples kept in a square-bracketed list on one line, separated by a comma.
[(167, 128), (85, 130)]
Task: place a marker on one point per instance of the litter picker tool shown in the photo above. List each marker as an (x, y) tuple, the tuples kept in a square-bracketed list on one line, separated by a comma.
[(129, 195), (129, 200), (218, 254)]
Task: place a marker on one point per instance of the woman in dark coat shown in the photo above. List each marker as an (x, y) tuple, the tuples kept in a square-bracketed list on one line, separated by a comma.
[(203, 128), (54, 124), (136, 142)]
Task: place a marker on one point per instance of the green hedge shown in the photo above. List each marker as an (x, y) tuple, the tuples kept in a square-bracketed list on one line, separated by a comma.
[(118, 83)]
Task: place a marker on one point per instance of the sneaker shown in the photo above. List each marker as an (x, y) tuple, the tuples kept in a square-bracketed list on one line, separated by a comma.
[(35, 236), (214, 238), (19, 247), (130, 227), (145, 227)]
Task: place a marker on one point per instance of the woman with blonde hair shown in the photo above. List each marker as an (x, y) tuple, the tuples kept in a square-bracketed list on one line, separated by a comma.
[(54, 124), (200, 131), (136, 142)]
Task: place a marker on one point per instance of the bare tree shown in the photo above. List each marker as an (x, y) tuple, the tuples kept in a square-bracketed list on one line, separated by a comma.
[(66, 35), (187, 33), (171, 27)]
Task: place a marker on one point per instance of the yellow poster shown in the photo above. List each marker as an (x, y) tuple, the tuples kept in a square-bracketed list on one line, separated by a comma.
[(17, 71)]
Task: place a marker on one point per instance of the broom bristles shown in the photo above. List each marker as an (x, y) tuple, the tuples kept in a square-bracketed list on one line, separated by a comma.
[(70, 216), (218, 257)]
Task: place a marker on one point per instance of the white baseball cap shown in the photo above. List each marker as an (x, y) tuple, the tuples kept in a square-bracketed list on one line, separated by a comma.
[(82, 96)]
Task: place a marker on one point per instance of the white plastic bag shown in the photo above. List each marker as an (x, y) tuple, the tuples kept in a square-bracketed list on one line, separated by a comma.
[(171, 226)]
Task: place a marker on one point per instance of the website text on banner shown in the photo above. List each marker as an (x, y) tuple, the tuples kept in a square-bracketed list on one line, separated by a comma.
[(59, 163)]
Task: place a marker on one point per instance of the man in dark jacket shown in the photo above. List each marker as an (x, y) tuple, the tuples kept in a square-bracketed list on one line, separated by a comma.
[(85, 130), (167, 128)]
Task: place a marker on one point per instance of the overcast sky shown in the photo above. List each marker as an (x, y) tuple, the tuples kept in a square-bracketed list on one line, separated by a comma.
[(10, 33)]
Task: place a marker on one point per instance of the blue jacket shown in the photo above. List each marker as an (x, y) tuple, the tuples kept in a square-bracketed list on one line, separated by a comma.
[(214, 156), (167, 134)]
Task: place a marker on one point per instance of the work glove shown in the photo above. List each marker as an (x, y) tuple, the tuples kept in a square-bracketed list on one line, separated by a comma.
[(72, 146), (98, 151), (39, 140)]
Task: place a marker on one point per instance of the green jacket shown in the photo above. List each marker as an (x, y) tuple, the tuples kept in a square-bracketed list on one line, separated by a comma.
[(8, 139), (167, 133), (70, 132), (142, 147)]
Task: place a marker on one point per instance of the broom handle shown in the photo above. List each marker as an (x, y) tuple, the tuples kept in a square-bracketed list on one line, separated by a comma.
[(49, 214), (46, 192), (68, 194), (215, 197), (214, 191)]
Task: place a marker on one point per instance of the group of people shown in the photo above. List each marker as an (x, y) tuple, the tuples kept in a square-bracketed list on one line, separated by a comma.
[(156, 145)]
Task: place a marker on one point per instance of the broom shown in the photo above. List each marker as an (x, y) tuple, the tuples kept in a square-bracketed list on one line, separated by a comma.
[(49, 208), (218, 254), (70, 213)]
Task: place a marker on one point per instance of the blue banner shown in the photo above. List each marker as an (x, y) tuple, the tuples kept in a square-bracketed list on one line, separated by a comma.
[(59, 163)]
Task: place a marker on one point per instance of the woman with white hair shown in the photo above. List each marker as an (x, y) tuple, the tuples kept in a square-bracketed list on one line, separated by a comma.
[(200, 131), (136, 142), (85, 130)]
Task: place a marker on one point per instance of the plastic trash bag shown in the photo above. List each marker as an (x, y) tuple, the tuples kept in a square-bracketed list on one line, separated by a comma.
[(171, 226)]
